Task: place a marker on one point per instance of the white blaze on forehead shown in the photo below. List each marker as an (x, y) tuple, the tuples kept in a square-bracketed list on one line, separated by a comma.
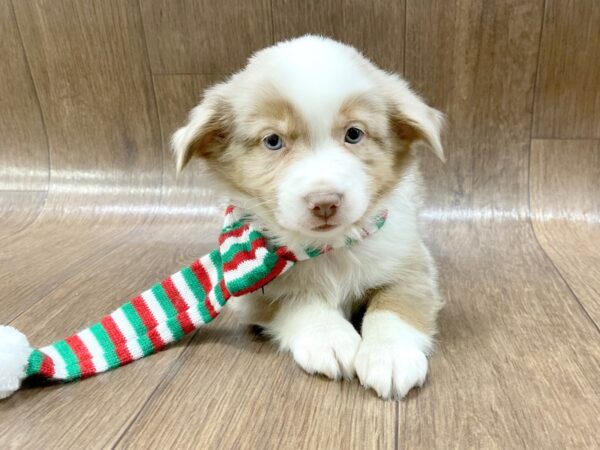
[(316, 74)]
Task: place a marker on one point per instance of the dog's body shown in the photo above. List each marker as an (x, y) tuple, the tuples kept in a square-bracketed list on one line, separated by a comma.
[(314, 140)]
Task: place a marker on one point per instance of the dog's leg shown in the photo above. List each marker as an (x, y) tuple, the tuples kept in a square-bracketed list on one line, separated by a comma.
[(398, 330), (319, 337)]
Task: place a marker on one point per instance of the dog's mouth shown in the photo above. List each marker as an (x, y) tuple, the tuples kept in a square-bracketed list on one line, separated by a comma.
[(325, 227)]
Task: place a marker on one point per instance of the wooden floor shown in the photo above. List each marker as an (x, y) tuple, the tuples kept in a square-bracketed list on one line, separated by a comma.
[(517, 365), (91, 214)]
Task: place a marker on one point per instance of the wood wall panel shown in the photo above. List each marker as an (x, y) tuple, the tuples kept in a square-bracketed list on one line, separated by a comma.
[(90, 67), (89, 64), (565, 203), (188, 193), (565, 180), (24, 161), (476, 62), (205, 36), (375, 27), (18, 209), (567, 102)]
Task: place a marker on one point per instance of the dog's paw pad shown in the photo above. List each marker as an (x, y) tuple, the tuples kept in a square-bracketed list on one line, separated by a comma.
[(390, 370)]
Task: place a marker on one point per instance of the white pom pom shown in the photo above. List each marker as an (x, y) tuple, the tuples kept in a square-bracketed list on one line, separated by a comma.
[(14, 355)]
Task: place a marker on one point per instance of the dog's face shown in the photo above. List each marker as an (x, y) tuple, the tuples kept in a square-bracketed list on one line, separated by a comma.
[(310, 135)]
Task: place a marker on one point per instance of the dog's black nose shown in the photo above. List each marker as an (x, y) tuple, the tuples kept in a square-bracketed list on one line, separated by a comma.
[(323, 204)]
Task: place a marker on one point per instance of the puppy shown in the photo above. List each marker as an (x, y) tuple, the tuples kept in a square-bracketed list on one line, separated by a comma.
[(315, 140)]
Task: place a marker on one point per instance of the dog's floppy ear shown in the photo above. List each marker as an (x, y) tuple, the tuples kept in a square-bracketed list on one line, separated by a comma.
[(206, 131), (412, 119)]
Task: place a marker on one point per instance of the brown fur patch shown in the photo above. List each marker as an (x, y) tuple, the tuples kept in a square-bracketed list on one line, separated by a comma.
[(214, 136), (413, 297), (232, 142), (368, 112), (245, 164), (276, 114), (385, 156), (405, 130)]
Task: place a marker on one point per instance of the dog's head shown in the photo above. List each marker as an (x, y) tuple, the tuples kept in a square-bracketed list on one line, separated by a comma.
[(310, 135)]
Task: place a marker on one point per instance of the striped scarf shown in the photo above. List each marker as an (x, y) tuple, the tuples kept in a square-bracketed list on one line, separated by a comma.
[(244, 262)]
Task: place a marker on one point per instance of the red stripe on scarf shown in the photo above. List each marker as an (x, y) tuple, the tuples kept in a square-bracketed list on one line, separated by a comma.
[(201, 276), (117, 339), (224, 290), (243, 256), (236, 232), (149, 321), (180, 305), (204, 280), (83, 355), (47, 367), (209, 307), (286, 253)]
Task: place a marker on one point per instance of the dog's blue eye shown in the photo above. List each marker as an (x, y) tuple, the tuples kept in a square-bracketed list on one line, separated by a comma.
[(273, 142), (354, 135)]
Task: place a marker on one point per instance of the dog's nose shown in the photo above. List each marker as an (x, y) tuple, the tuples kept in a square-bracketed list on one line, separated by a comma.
[(323, 204)]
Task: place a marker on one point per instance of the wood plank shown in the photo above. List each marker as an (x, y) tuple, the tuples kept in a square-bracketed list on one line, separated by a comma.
[(517, 356), (565, 202), (204, 36), (104, 140), (476, 61), (19, 209), (188, 193), (351, 21), (244, 394), (518, 362), (96, 410), (57, 249), (90, 66), (567, 99), (486, 337), (24, 163)]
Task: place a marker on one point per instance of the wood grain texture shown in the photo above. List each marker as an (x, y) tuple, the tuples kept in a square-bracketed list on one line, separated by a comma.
[(260, 409), (567, 101), (565, 202), (507, 304), (376, 27), (90, 67), (188, 193), (96, 92), (204, 36), (24, 163), (18, 210), (475, 61), (518, 363), (99, 409)]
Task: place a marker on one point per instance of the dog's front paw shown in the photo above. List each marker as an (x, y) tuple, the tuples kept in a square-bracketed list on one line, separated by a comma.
[(328, 350), (391, 369)]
